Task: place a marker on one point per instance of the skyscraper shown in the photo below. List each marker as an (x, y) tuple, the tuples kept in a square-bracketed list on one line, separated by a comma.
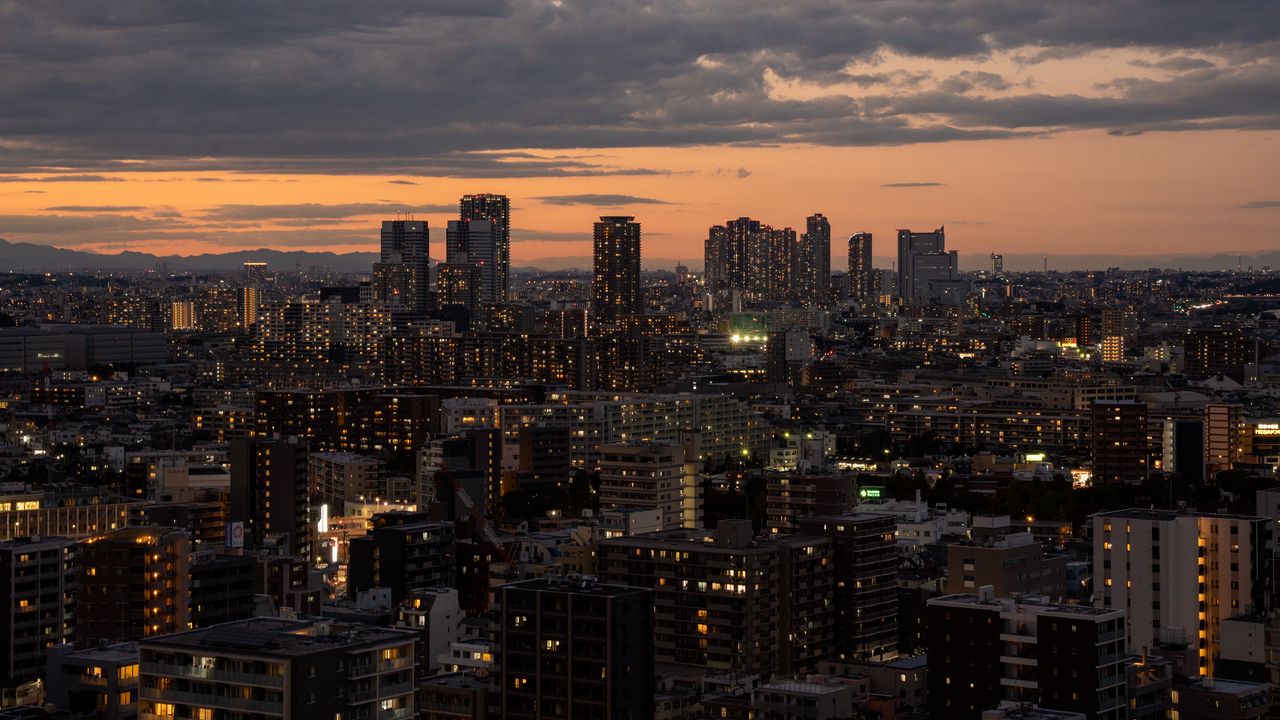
[(616, 281), (715, 258), (476, 243), (407, 243), (925, 266), (812, 282), (496, 209), (1118, 328), (860, 265)]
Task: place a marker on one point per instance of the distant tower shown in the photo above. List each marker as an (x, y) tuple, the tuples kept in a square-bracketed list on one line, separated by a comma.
[(997, 264), (616, 281), (813, 261), (922, 258), (860, 265), (497, 210), (407, 243)]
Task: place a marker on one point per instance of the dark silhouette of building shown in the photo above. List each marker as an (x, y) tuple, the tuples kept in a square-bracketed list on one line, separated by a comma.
[(496, 210), (406, 245), (860, 267), (576, 649), (403, 551), (866, 577), (615, 284), (812, 281), (134, 583), (1118, 442), (984, 650), (269, 492), (38, 585)]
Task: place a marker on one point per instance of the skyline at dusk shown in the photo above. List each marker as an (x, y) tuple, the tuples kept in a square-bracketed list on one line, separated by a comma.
[(1023, 130)]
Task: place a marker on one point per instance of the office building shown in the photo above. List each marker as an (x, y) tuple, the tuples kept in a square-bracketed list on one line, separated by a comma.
[(926, 269), (865, 571), (1179, 575), (860, 267), (269, 493), (575, 649), (276, 668), (134, 583), (615, 284), (406, 244), (495, 210), (38, 585), (985, 651), (1119, 444)]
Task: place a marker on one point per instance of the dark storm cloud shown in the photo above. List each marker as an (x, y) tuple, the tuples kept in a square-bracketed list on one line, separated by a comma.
[(408, 88), (600, 200)]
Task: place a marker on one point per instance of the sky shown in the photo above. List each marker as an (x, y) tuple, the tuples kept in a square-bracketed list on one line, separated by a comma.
[(1127, 127)]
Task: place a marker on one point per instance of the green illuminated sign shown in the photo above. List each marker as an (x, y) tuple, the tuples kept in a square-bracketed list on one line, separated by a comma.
[(869, 493)]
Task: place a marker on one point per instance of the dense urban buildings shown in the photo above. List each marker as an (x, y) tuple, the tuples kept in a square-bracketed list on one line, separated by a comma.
[(463, 489)]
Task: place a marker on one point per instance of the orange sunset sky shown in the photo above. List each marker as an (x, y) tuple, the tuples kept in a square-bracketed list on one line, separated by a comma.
[(1023, 130)]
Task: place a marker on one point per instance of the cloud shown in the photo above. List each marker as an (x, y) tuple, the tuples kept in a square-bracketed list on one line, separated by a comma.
[(1260, 205), (402, 88), (95, 208), (315, 211), (401, 182), (87, 227), (1178, 63), (600, 200), (60, 178), (730, 172), (912, 185)]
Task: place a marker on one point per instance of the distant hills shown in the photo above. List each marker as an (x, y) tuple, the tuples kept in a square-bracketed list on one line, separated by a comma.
[(29, 257)]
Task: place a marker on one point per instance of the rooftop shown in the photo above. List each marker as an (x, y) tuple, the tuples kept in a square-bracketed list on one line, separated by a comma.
[(279, 637)]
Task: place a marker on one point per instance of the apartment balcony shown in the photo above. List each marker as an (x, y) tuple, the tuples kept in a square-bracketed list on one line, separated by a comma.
[(217, 702), (198, 673)]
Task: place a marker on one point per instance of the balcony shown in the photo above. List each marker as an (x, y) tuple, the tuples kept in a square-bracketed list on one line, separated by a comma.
[(198, 673), (220, 702)]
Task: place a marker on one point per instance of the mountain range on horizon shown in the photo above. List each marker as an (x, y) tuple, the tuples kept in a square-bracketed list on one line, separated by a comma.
[(31, 257)]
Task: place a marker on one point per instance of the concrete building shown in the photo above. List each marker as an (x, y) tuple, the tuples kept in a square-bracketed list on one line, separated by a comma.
[(1179, 575), (651, 475), (575, 649), (134, 583), (403, 551), (277, 668), (37, 604), (984, 651), (865, 571), (1015, 563), (100, 682)]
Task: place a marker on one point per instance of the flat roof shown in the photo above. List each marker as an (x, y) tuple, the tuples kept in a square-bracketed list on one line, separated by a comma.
[(278, 637)]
